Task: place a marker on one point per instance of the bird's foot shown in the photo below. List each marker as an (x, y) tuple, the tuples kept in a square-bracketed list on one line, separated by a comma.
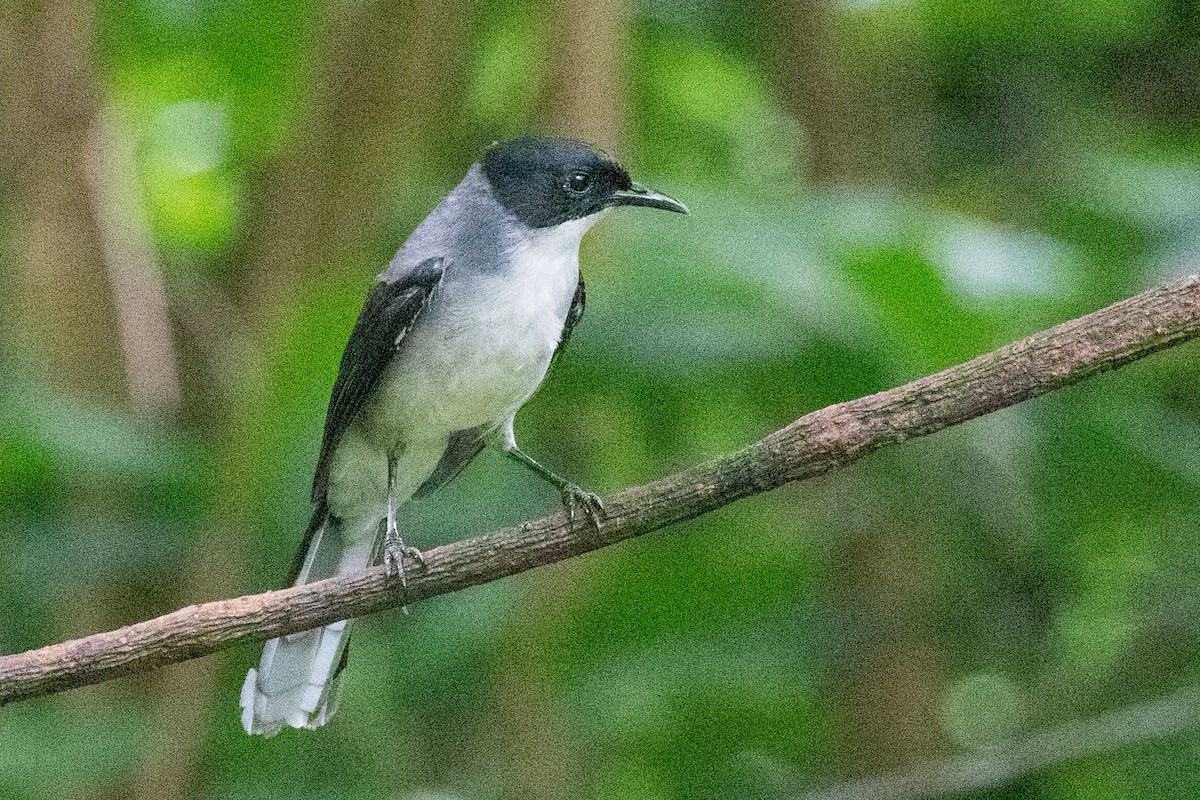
[(394, 551), (574, 498)]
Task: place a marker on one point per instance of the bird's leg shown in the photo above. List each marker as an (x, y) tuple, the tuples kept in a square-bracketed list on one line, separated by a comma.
[(394, 548), (573, 496)]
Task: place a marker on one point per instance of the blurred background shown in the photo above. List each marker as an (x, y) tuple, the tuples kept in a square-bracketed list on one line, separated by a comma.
[(195, 197)]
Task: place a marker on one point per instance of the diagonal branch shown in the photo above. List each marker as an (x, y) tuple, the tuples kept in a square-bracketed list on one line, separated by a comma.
[(812, 445), (1004, 761)]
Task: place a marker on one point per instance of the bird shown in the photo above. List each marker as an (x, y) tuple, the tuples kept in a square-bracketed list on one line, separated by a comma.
[(457, 334)]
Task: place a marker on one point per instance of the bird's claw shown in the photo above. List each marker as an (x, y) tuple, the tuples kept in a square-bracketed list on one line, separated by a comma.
[(393, 559), (573, 497), (394, 551)]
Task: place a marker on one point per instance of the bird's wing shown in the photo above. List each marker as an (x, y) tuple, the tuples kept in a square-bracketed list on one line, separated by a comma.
[(460, 451), (388, 315), (574, 314)]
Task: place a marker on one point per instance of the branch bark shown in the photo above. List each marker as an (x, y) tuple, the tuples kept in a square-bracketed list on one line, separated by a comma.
[(812, 445)]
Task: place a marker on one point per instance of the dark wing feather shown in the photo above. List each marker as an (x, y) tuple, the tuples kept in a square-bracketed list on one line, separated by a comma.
[(574, 314), (460, 450), (389, 313)]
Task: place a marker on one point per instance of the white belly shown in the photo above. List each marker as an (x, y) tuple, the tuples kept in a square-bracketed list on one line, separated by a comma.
[(483, 346)]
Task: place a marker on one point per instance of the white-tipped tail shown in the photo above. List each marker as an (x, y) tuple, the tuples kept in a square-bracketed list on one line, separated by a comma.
[(298, 679)]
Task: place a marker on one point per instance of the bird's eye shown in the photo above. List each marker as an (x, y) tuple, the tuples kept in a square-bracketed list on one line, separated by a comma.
[(579, 182)]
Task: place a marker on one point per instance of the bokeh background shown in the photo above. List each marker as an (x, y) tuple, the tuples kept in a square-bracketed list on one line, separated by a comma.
[(195, 197)]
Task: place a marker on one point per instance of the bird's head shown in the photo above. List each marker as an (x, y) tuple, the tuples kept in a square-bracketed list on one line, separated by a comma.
[(546, 182)]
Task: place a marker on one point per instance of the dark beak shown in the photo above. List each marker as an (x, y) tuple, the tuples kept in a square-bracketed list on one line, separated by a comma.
[(638, 195)]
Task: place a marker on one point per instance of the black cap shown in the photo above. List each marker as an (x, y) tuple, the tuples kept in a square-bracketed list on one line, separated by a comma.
[(546, 181)]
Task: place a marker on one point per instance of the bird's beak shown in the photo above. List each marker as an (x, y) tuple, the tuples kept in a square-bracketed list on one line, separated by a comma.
[(638, 195)]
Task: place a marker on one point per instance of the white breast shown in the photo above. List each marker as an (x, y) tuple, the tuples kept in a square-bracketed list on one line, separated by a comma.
[(535, 298), (486, 342)]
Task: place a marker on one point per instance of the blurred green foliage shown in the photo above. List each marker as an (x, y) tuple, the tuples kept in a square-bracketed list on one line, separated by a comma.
[(996, 168)]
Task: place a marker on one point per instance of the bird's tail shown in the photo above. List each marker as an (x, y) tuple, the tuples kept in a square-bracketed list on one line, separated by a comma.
[(298, 679)]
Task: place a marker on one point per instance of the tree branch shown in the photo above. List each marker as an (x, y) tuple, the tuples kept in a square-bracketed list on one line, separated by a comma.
[(812, 445), (1005, 761)]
